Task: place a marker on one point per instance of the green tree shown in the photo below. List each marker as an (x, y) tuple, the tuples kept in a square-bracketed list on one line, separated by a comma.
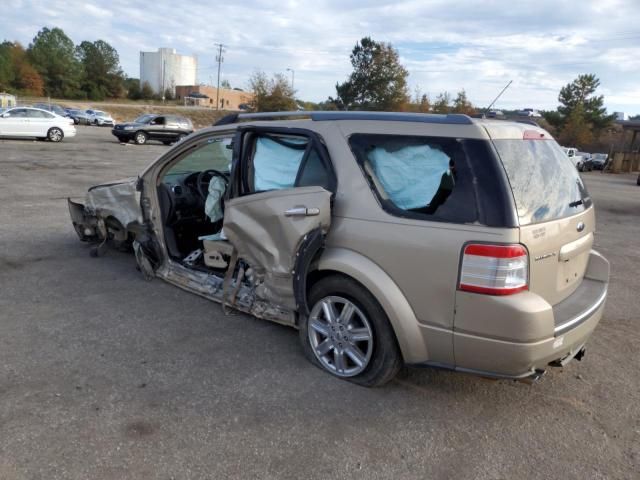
[(581, 94), (101, 73), (420, 102), (442, 103), (580, 108), (52, 54), (168, 94), (146, 92), (577, 129), (378, 80), (271, 95), (132, 88), (16, 73), (6, 66), (461, 104), (225, 84)]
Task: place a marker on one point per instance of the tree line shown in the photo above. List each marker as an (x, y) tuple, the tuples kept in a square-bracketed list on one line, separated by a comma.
[(53, 65), (379, 82)]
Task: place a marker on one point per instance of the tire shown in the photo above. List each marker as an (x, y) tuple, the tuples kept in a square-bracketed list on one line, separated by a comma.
[(140, 138), (55, 134), (376, 350), (123, 140), (167, 142)]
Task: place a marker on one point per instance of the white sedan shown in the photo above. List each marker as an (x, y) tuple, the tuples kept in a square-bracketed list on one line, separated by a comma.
[(35, 122), (100, 118)]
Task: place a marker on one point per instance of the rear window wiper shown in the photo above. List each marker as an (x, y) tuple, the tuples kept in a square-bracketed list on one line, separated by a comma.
[(577, 203)]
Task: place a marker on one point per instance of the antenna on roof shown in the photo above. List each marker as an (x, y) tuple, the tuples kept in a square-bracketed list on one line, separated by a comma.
[(499, 95)]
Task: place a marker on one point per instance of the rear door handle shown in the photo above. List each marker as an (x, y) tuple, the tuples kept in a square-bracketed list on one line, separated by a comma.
[(302, 212)]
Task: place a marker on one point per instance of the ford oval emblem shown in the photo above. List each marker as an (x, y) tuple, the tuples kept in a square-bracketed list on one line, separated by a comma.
[(580, 226)]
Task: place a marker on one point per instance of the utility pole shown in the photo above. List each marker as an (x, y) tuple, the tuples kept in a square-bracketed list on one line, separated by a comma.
[(293, 77), (164, 73), (219, 59)]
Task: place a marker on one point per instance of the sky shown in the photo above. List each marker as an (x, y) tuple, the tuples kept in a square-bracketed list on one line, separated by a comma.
[(478, 46)]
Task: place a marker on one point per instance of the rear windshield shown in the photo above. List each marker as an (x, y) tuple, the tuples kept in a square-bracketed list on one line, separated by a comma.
[(545, 183)]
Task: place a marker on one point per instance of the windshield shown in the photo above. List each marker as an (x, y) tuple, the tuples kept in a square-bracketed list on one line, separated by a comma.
[(144, 118), (100, 114), (545, 183)]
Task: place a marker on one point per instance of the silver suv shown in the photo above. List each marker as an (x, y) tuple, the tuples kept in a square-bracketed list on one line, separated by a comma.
[(384, 238)]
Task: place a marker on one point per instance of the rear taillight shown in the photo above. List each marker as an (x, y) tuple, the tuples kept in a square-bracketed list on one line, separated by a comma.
[(494, 269)]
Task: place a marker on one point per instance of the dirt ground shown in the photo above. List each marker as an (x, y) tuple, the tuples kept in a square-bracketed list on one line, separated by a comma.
[(104, 375)]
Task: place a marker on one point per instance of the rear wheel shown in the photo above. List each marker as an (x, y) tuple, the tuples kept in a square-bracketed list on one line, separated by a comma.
[(167, 142), (55, 134), (141, 138), (348, 333)]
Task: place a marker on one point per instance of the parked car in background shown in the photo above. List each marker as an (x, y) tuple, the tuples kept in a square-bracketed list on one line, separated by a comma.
[(587, 164), (35, 122), (293, 221), (53, 108), (495, 114), (100, 118), (163, 128), (80, 117), (599, 160), (573, 155), (528, 112)]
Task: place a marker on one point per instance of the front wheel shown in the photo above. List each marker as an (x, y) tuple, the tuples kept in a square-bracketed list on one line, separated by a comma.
[(141, 138), (55, 134), (348, 333)]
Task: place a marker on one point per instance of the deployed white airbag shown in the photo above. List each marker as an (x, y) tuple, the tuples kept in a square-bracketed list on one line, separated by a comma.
[(410, 175), (213, 205), (275, 165)]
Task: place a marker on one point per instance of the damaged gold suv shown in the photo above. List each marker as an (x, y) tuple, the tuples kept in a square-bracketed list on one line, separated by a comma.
[(385, 238)]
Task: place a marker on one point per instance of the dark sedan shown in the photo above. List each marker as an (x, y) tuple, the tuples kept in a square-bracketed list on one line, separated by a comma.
[(80, 117), (164, 128)]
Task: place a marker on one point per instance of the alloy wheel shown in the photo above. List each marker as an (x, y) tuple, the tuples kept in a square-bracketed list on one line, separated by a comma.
[(340, 335)]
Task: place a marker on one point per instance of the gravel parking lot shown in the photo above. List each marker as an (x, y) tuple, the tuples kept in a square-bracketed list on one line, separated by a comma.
[(104, 375)]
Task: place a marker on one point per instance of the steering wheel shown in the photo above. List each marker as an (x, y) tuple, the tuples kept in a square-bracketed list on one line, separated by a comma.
[(203, 179)]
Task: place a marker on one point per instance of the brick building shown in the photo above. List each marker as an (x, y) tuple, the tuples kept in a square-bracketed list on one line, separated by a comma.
[(205, 96)]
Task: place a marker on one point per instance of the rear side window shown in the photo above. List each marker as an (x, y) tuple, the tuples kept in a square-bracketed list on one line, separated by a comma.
[(419, 177), (281, 162), (545, 183)]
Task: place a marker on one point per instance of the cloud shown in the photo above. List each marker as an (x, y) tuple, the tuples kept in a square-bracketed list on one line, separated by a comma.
[(479, 46)]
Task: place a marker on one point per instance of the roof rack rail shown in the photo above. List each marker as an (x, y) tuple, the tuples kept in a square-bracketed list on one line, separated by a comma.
[(529, 122), (321, 116)]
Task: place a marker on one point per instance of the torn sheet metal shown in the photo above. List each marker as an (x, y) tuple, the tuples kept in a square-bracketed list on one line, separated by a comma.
[(210, 286), (268, 238), (118, 200)]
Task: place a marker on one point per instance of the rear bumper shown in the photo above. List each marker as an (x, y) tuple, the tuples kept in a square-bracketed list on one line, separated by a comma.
[(516, 336)]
